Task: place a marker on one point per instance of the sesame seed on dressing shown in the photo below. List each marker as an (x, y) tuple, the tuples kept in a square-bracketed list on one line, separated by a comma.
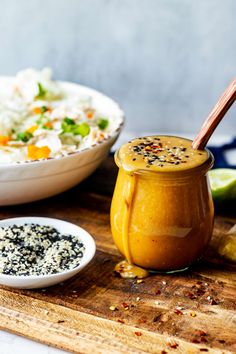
[(160, 153), (33, 249)]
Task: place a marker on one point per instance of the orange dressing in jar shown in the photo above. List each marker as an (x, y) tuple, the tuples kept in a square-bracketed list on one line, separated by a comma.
[(162, 210)]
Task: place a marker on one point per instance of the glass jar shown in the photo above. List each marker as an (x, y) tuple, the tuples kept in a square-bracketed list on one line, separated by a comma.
[(162, 220)]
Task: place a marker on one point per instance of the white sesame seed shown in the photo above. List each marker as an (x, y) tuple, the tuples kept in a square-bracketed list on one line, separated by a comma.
[(33, 249)]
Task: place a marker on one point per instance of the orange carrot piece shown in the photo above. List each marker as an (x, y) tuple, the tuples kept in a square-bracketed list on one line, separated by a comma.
[(37, 110), (89, 114), (35, 152), (48, 125), (4, 139)]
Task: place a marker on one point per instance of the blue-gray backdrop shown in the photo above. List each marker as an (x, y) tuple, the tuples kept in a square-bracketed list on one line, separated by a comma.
[(165, 61)]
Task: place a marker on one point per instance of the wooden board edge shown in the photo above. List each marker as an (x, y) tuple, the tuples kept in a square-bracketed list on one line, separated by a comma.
[(84, 333)]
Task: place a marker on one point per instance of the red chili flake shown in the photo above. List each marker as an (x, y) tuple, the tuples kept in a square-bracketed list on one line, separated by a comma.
[(163, 352), (142, 321), (196, 341), (120, 321), (158, 292), (191, 295), (178, 312), (125, 305), (138, 334), (213, 302), (221, 341), (203, 340), (201, 333), (173, 345), (203, 350), (60, 321), (200, 292)]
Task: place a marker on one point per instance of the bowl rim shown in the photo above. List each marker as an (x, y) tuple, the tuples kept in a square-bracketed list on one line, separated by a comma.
[(89, 243), (110, 137)]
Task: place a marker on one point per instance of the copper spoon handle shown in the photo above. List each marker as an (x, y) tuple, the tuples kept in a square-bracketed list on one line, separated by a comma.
[(215, 116)]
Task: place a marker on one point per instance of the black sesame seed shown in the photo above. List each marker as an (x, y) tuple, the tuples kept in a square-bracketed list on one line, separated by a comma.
[(33, 249)]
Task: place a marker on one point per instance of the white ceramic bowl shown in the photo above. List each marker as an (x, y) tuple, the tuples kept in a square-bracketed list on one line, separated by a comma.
[(34, 180), (43, 281)]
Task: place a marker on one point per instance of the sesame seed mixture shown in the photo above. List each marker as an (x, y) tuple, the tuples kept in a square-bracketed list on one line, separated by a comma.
[(33, 249), (160, 153)]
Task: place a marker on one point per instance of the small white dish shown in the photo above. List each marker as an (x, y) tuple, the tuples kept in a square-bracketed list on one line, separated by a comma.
[(43, 281)]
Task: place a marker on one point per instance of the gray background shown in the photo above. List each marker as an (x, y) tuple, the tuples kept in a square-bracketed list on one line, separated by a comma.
[(165, 61)]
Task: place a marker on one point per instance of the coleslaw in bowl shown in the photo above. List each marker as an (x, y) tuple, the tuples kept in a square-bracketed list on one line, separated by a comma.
[(81, 126), (41, 118)]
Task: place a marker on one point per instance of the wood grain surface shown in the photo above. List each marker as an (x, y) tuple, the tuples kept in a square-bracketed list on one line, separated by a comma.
[(189, 312)]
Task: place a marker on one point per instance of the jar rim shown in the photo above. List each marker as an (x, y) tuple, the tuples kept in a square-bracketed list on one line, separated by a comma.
[(199, 169)]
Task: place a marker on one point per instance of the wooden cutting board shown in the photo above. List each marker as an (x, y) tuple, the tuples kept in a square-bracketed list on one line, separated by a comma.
[(191, 312)]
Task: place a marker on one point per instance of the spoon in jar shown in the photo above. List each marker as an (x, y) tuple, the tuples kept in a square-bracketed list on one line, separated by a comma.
[(215, 116)]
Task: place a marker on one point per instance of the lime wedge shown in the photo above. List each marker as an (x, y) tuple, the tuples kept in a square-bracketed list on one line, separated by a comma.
[(223, 184)]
